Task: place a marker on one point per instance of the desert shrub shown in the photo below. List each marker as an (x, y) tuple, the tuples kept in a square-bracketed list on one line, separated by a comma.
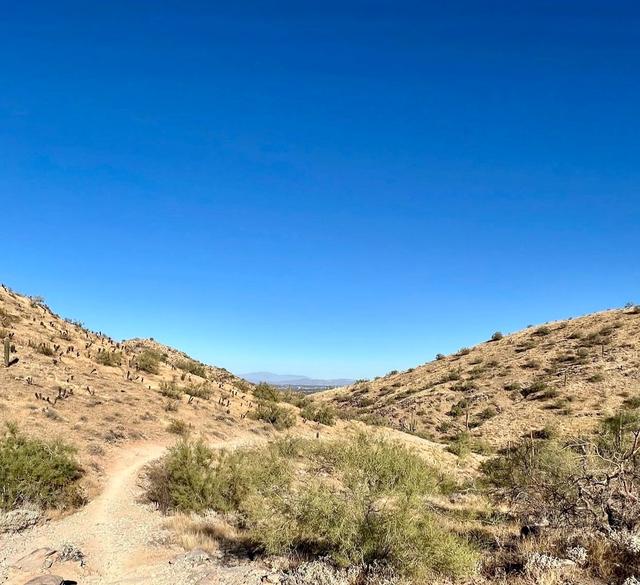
[(535, 476), (588, 482), (44, 473), (542, 331), (464, 443), (440, 356), (497, 336), (171, 405), (531, 364), (548, 394), (285, 505), (582, 353), (466, 386), (631, 402), (278, 416), (44, 349), (374, 420), (170, 390), (364, 401), (36, 302), (597, 377), (192, 367), (149, 361), (201, 391), (535, 387), (264, 391), (299, 399), (242, 385), (459, 408), (451, 376), (463, 351), (487, 413), (109, 358), (178, 427), (321, 413)]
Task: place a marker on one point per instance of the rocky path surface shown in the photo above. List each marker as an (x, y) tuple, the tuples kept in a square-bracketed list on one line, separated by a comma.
[(122, 540)]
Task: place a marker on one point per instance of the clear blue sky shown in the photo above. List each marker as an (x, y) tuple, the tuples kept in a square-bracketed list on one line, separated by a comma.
[(326, 188)]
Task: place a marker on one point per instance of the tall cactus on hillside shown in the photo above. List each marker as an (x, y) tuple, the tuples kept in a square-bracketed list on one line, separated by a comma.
[(7, 352)]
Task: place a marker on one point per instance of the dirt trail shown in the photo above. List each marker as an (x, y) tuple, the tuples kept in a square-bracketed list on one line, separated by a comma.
[(118, 535)]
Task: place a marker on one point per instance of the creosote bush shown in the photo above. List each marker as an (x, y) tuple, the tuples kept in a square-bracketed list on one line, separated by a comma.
[(170, 390), (299, 399), (270, 412), (357, 501), (322, 413), (201, 391), (178, 427), (192, 367), (109, 358), (149, 361), (43, 473), (264, 391)]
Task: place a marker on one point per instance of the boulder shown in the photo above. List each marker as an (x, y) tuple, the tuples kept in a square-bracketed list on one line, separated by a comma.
[(46, 580), (41, 558)]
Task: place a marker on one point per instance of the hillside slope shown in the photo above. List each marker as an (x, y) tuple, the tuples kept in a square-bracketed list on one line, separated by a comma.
[(566, 374), (97, 393)]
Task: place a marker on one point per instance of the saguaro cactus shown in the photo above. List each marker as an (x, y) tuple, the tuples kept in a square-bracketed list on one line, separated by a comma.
[(7, 352)]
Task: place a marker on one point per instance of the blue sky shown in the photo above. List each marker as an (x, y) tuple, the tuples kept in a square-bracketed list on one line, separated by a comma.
[(332, 189)]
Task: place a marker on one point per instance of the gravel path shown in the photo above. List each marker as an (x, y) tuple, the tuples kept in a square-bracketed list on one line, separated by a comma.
[(122, 539)]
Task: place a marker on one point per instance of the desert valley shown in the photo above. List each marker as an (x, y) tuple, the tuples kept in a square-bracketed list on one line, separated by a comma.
[(513, 461)]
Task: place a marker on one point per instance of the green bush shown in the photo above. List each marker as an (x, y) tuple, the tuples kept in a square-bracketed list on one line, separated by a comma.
[(178, 427), (542, 331), (463, 444), (170, 390), (192, 367), (299, 399), (631, 402), (497, 336), (44, 473), (201, 391), (279, 416), (321, 413), (536, 476), (149, 361), (357, 501), (109, 358), (264, 391)]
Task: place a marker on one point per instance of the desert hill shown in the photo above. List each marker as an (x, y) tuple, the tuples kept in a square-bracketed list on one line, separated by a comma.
[(567, 374), (98, 394)]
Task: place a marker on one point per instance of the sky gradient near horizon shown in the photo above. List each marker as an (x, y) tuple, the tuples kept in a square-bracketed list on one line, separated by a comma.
[(336, 189)]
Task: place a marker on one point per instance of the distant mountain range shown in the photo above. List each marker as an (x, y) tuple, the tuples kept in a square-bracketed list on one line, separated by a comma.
[(294, 380)]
